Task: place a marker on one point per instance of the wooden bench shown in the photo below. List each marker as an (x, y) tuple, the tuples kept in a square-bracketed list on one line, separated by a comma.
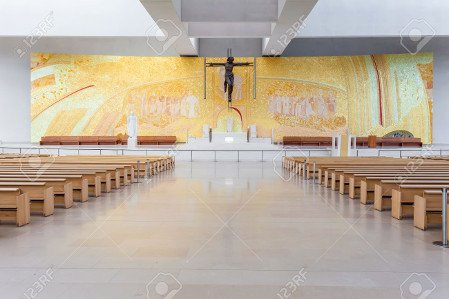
[(356, 179), (50, 140), (383, 191), (62, 190), (108, 140), (403, 196), (156, 140), (69, 140), (307, 141), (341, 178), (391, 142), (40, 195), (15, 206), (350, 178), (106, 173), (80, 185), (88, 140), (427, 209)]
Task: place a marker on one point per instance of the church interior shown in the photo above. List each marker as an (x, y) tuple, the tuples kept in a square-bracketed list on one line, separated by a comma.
[(224, 149)]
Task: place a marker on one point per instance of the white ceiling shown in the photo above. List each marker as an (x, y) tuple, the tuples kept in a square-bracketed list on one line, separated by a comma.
[(369, 18), (224, 19), (75, 17)]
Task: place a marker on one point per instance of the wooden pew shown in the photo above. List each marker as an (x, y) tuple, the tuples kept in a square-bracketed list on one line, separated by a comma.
[(403, 196), (40, 195), (62, 190), (427, 209), (356, 178), (383, 191), (307, 140), (340, 180), (79, 184), (108, 174), (14, 205), (342, 172)]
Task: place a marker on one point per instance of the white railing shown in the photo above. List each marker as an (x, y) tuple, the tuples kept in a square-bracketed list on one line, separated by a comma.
[(172, 151)]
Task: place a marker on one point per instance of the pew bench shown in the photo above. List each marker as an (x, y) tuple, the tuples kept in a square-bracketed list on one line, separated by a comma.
[(79, 184), (403, 196), (62, 190), (355, 179), (427, 209), (14, 206), (383, 191), (40, 195)]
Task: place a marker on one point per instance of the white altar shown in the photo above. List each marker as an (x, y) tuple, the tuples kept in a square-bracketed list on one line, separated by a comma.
[(231, 137)]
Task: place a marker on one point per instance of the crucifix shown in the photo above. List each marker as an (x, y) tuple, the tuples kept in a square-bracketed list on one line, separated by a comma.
[(229, 75)]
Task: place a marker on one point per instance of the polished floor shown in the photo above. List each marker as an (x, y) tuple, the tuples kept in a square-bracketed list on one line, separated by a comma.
[(222, 230)]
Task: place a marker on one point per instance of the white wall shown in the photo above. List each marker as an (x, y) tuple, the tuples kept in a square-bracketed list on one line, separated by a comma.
[(14, 93), (441, 92)]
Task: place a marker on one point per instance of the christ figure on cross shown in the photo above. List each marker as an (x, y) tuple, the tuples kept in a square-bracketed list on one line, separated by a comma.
[(229, 75)]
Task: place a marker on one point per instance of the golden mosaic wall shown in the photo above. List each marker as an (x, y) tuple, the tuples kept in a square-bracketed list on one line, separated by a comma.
[(316, 96)]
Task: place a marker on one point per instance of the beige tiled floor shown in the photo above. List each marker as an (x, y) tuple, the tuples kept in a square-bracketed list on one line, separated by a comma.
[(220, 230)]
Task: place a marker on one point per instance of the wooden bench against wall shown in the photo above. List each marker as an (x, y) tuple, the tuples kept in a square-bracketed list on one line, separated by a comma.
[(156, 140), (307, 140), (106, 140), (360, 141), (391, 142)]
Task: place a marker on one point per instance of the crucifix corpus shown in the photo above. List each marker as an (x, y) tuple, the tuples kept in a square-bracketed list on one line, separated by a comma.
[(229, 75)]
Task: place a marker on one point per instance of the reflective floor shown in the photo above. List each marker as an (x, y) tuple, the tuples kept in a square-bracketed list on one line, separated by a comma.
[(222, 230)]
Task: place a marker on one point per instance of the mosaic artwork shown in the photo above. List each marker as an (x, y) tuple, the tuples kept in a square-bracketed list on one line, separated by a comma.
[(84, 95)]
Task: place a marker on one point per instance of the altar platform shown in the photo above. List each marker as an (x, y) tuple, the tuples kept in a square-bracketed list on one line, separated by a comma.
[(234, 138), (203, 150)]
